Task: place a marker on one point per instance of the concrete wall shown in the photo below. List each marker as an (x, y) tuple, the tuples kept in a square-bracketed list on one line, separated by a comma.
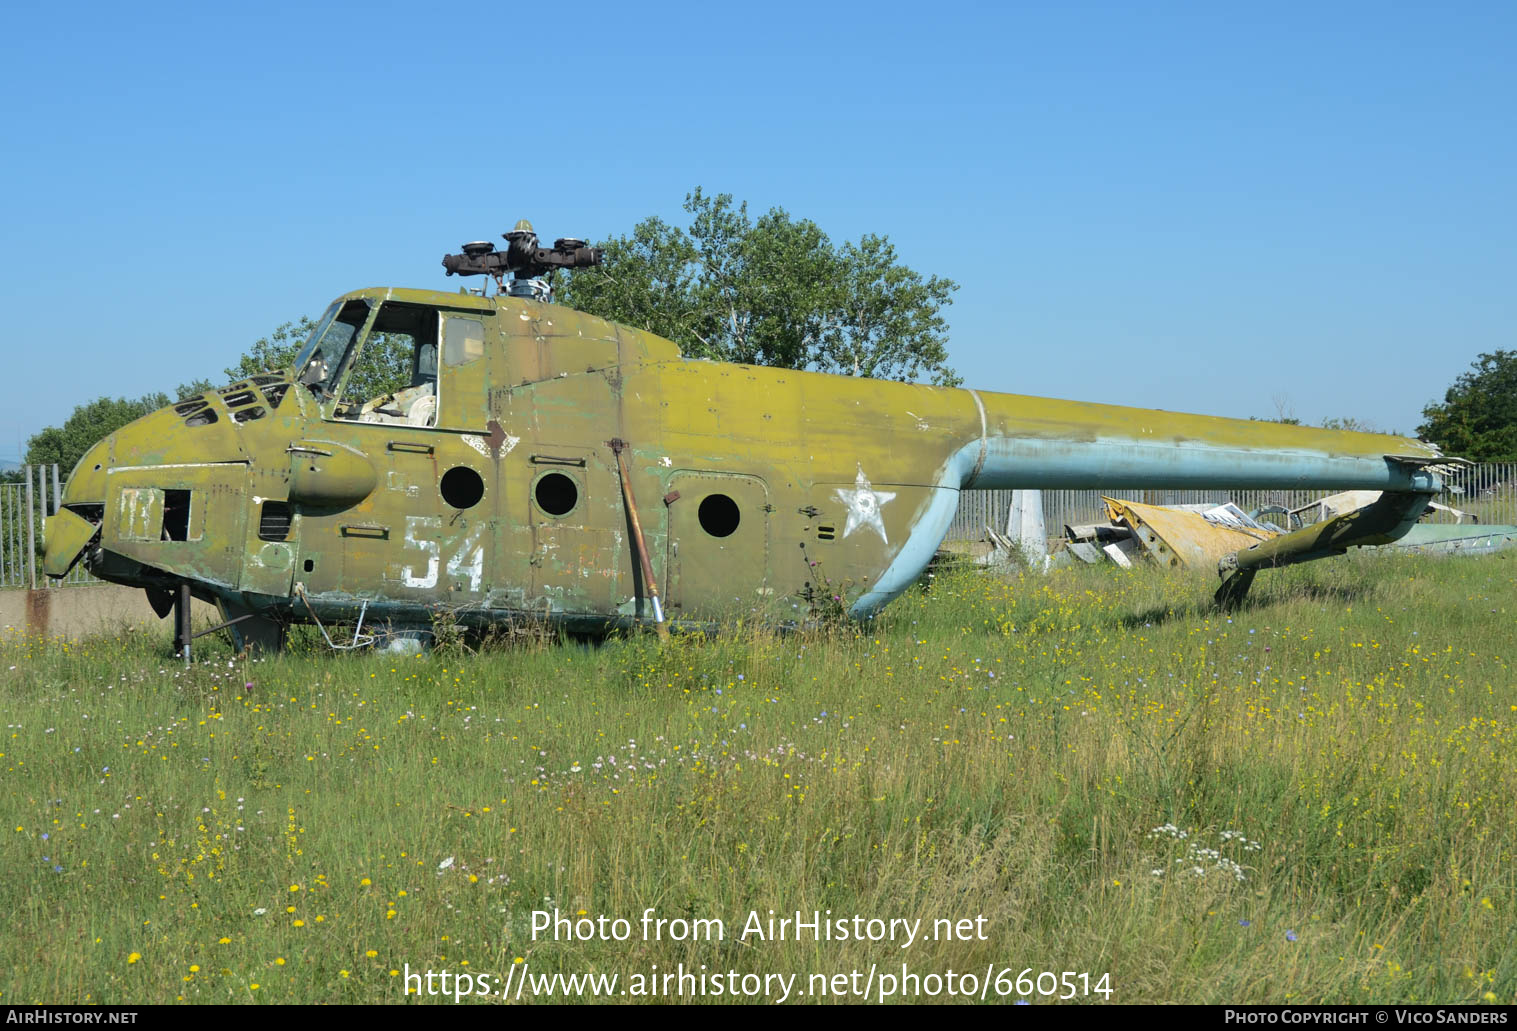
[(77, 612)]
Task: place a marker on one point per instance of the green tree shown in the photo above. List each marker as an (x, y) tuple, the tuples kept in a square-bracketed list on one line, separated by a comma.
[(275, 351), (1478, 416), (770, 291), (383, 367)]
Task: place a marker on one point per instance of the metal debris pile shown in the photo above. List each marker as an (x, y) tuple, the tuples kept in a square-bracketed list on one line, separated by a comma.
[(1198, 536), (1172, 535)]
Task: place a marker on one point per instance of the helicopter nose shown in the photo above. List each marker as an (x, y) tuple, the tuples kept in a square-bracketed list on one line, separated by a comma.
[(144, 489), (86, 484), (81, 511)]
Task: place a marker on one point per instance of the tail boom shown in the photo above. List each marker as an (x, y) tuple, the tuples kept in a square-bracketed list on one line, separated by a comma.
[(1029, 442)]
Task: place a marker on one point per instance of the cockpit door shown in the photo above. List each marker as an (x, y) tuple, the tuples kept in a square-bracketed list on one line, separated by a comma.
[(465, 384)]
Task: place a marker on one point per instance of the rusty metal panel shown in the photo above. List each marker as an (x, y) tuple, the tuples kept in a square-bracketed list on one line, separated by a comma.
[(139, 514), (1176, 537)]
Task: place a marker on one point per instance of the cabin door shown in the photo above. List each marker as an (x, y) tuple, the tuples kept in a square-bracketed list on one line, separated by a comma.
[(717, 549), (571, 509)]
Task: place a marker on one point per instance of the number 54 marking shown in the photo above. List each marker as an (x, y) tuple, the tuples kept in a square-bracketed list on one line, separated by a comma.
[(468, 560)]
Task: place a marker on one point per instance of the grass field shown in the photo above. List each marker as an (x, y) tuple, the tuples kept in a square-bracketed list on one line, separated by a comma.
[(1311, 800)]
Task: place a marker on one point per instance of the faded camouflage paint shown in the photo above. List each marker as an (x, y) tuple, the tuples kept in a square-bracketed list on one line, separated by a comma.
[(843, 486)]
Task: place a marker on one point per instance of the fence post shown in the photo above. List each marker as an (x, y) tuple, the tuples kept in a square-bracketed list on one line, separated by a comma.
[(41, 514), (31, 535), (48, 507), (57, 492)]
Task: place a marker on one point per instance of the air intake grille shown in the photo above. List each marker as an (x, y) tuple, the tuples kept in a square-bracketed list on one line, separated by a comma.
[(274, 521)]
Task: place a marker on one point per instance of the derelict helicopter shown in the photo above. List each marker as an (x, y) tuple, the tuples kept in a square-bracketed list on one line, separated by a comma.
[(502, 457)]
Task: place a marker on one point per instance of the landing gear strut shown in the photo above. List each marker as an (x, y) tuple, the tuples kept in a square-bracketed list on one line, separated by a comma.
[(182, 633)]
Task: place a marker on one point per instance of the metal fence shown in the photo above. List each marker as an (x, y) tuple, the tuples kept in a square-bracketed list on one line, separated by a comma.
[(23, 507), (1488, 492)]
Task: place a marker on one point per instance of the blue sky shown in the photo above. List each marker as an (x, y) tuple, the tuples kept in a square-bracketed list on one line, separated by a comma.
[(1206, 207)]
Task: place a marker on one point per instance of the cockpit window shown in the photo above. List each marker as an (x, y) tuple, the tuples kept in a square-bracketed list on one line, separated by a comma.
[(304, 354), (393, 379), (319, 364)]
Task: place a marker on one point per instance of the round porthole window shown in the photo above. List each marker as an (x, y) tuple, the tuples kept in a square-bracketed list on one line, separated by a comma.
[(719, 515), (462, 487), (556, 494)]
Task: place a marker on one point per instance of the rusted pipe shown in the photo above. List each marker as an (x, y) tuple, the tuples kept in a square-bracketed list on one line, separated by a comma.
[(617, 447)]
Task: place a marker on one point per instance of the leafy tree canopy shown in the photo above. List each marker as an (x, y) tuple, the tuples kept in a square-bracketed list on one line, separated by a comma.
[(771, 291), (275, 351), (1477, 418)]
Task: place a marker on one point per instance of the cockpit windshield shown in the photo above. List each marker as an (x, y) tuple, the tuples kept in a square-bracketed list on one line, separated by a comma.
[(319, 363)]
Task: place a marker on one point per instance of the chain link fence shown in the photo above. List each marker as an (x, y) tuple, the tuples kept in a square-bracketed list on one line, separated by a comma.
[(1488, 492)]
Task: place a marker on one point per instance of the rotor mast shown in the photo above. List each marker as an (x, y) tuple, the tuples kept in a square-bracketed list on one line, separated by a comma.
[(528, 263)]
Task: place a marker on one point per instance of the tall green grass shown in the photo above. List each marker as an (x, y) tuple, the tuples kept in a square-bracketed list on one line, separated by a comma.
[(1309, 800)]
